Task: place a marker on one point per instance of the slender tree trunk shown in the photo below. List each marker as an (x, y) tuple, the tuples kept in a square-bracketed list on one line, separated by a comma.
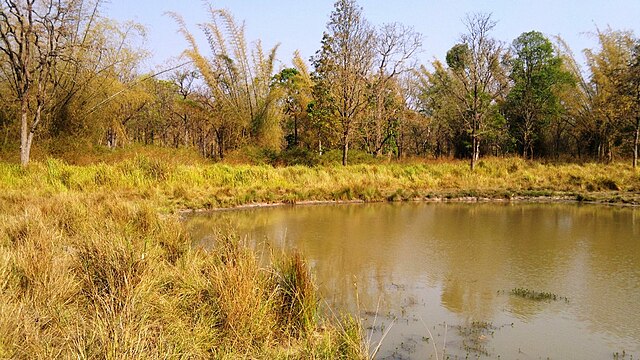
[(475, 142), (345, 145), (635, 143), (25, 148), (345, 150), (474, 149), (378, 142), (295, 130)]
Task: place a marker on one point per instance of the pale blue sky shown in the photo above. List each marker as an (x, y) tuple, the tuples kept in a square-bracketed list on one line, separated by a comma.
[(299, 24)]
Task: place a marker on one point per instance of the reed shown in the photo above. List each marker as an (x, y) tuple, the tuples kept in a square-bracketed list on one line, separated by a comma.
[(171, 186)]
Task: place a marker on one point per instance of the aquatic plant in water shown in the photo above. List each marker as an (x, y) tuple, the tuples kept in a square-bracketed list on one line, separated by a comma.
[(536, 295)]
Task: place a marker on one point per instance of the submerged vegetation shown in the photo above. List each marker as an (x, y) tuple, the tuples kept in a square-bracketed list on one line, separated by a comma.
[(537, 295)]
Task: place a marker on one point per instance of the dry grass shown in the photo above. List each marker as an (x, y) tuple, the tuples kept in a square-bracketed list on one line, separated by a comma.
[(91, 277)]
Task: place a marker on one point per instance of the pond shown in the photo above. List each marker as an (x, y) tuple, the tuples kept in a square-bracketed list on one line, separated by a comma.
[(441, 277)]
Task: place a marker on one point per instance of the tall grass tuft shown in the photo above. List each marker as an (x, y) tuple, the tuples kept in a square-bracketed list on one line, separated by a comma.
[(298, 303)]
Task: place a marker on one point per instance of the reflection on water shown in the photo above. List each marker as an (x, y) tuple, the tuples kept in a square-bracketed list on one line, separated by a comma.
[(450, 267)]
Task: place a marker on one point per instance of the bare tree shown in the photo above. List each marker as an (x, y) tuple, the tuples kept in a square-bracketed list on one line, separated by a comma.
[(395, 47), (476, 65), (34, 36)]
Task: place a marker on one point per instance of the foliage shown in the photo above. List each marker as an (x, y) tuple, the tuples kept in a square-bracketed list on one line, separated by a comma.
[(477, 79), (342, 67), (364, 92), (610, 106), (533, 102)]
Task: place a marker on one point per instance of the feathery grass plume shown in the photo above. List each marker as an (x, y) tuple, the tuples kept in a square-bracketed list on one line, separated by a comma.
[(239, 79)]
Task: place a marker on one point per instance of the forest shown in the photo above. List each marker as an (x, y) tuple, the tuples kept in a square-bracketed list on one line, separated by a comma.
[(70, 81)]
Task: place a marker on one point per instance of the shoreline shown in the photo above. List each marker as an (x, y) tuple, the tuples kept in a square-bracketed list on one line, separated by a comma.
[(567, 199)]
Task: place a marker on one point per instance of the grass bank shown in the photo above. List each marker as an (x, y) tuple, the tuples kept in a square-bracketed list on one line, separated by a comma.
[(93, 263), (170, 186)]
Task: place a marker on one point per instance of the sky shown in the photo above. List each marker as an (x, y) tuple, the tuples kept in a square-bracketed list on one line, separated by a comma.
[(299, 24)]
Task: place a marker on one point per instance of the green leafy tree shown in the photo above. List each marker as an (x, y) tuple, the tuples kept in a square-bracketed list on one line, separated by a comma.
[(443, 111), (342, 69), (537, 75), (297, 93)]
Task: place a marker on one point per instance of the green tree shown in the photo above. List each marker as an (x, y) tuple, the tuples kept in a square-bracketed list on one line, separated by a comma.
[(537, 75), (342, 69), (446, 116), (297, 88)]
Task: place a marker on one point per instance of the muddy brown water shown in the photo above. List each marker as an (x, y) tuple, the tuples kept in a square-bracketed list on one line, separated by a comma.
[(438, 277)]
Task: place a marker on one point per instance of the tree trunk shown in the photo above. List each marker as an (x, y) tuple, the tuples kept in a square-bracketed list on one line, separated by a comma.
[(345, 151), (25, 147), (474, 150), (295, 130), (635, 143)]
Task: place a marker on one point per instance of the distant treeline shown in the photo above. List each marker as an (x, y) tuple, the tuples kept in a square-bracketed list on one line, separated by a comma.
[(70, 79)]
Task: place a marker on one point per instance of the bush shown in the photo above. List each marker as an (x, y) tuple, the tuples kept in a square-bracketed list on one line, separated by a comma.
[(354, 157), (297, 156)]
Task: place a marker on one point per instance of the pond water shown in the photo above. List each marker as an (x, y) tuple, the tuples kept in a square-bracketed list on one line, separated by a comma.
[(440, 276)]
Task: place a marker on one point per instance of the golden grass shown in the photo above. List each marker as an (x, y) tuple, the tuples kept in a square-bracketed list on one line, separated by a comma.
[(101, 277), (172, 186)]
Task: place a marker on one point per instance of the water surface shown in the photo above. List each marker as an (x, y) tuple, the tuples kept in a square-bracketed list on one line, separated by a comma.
[(443, 273)]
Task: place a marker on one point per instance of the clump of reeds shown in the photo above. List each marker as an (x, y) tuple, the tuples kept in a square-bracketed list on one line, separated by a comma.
[(169, 186), (296, 295)]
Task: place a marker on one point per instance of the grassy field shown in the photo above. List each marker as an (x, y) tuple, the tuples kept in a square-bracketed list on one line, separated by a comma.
[(95, 263)]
